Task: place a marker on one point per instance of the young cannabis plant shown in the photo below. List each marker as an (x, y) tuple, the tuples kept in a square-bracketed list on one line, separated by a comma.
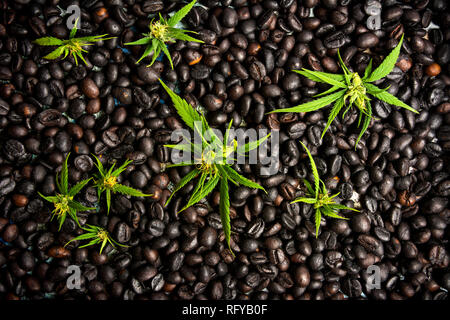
[(351, 87), (73, 46), (63, 201), (210, 161), (96, 235), (323, 203), (106, 180), (162, 32)]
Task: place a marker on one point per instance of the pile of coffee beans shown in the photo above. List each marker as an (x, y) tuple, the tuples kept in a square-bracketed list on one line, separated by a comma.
[(396, 247)]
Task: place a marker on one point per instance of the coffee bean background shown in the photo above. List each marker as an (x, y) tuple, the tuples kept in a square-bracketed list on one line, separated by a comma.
[(397, 176)]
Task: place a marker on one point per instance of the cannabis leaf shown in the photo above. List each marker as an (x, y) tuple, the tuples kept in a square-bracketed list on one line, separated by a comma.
[(106, 181), (162, 32), (210, 161), (323, 203), (97, 235), (351, 89), (72, 46), (63, 201)]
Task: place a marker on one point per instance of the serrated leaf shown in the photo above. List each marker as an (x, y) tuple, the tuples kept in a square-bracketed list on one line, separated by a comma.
[(99, 165), (308, 187), (333, 114), (181, 146), (373, 89), (318, 218), (49, 41), (73, 32), (191, 175), (187, 113), (389, 98), (58, 183), (180, 14), (224, 209), (314, 170), (324, 77), (79, 54), (315, 104), (319, 76), (55, 54), (91, 243), (332, 214), (156, 51), (366, 123), (104, 242), (241, 179), (368, 70), (227, 134), (181, 164), (150, 47), (203, 192), (78, 206), (73, 214), (61, 219), (199, 185), (122, 168), (181, 35), (251, 145), (343, 66), (108, 200), (108, 174), (129, 191), (166, 52), (51, 199), (387, 65), (305, 200), (331, 90), (65, 176), (142, 41), (96, 38), (84, 236), (337, 206), (77, 188)]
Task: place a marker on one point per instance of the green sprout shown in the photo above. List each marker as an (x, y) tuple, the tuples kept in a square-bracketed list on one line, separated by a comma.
[(63, 201), (210, 161), (351, 87), (162, 32), (323, 203), (73, 46), (96, 235), (106, 180)]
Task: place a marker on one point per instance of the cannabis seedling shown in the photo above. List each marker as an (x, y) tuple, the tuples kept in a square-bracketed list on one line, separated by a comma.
[(162, 32), (96, 235), (63, 201), (323, 203), (106, 180), (210, 161), (73, 46), (351, 87)]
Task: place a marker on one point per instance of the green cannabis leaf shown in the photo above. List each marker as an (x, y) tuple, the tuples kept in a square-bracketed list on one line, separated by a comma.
[(353, 89), (210, 161), (162, 32), (72, 46), (323, 203), (96, 235), (63, 201), (106, 181)]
